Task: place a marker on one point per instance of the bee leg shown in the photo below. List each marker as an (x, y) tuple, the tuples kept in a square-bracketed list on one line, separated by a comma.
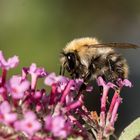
[(83, 87), (111, 75), (86, 78), (111, 66), (91, 70), (81, 90), (85, 83), (120, 72), (117, 67), (74, 75)]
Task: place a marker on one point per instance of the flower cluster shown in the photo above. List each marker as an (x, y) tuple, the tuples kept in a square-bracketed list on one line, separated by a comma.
[(29, 113)]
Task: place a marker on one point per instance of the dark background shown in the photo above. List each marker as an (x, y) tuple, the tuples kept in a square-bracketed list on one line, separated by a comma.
[(37, 30)]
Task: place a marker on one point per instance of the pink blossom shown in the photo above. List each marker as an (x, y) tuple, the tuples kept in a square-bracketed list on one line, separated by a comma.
[(10, 63), (6, 116), (75, 104), (78, 83), (106, 87), (124, 82), (38, 95), (29, 124), (60, 81), (35, 73), (17, 87), (40, 72), (57, 125), (58, 84), (24, 72), (53, 79)]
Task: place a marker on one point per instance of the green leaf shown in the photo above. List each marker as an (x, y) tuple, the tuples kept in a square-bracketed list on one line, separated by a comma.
[(131, 131), (78, 138)]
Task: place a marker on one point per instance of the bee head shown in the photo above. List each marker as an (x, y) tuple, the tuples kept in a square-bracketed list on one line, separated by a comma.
[(71, 60), (68, 61)]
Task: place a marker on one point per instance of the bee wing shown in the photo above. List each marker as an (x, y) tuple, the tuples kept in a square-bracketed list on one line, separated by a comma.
[(115, 45)]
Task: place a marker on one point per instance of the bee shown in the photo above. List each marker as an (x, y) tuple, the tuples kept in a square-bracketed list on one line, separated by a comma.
[(88, 59)]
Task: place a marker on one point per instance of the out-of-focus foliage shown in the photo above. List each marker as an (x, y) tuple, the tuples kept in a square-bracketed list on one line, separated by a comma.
[(36, 30)]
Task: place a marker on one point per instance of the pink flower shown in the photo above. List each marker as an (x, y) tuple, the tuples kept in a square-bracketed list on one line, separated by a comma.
[(17, 87), (6, 116), (29, 124), (106, 87), (53, 79), (60, 81), (24, 72), (38, 95), (39, 72), (10, 63), (124, 82), (35, 73), (57, 125), (75, 104)]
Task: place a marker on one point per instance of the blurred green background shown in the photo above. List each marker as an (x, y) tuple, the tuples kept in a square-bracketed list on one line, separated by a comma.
[(37, 30)]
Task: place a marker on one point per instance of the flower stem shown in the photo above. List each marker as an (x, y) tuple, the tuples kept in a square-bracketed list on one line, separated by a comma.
[(116, 94), (4, 72), (66, 91), (114, 111)]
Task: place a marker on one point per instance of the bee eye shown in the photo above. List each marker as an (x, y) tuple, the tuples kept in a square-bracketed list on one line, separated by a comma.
[(71, 61)]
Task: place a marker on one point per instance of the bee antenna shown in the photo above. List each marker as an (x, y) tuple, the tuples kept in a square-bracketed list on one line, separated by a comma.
[(60, 72), (63, 71)]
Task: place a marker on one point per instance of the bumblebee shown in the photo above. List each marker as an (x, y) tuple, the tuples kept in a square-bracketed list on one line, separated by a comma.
[(87, 58)]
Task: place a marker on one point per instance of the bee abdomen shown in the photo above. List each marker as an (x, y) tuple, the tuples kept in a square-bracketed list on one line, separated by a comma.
[(117, 65)]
